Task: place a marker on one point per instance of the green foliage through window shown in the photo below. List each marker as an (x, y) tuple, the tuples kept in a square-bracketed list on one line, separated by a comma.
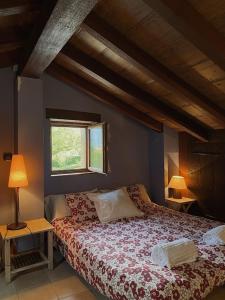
[(96, 148), (68, 148), (78, 147)]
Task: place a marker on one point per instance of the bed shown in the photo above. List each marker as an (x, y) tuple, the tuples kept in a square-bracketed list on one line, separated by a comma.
[(115, 258)]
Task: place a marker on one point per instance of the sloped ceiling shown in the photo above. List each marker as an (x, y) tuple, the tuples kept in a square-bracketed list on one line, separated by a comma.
[(158, 61)]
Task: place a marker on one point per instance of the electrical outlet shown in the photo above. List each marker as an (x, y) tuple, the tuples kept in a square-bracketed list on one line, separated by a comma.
[(7, 156)]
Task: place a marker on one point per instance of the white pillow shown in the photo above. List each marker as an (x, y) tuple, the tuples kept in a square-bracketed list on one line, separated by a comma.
[(114, 205), (56, 207), (143, 192)]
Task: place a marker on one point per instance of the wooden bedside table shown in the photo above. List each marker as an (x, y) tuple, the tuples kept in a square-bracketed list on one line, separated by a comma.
[(183, 204), (27, 260)]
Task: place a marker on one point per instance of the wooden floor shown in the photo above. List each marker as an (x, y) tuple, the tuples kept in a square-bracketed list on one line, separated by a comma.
[(60, 284)]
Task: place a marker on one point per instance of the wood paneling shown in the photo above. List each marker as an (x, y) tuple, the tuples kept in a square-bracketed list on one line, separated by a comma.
[(156, 37), (202, 165), (132, 41), (209, 70), (8, 47), (136, 75), (9, 58), (193, 26), (151, 104), (213, 12), (19, 21), (127, 13), (14, 31), (14, 7), (79, 70), (136, 56)]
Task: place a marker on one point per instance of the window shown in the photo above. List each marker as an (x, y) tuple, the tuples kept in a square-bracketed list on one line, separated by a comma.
[(68, 148), (77, 147), (96, 142)]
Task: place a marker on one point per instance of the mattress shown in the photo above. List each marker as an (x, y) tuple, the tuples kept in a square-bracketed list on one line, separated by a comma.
[(115, 258)]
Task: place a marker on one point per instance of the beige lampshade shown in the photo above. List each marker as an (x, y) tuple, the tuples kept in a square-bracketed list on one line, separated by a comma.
[(18, 174), (177, 182)]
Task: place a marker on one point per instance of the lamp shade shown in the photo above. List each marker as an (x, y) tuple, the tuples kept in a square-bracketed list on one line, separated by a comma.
[(18, 174), (177, 182)]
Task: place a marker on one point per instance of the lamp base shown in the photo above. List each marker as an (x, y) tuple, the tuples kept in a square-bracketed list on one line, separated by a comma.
[(16, 226), (177, 194)]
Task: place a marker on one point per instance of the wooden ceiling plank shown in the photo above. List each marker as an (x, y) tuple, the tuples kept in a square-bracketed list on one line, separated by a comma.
[(193, 26), (11, 39), (57, 24), (96, 92), (6, 47), (118, 43), (12, 34), (15, 7), (99, 71), (9, 58)]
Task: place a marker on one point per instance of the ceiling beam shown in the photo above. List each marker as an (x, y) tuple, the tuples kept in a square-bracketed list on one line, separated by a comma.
[(151, 104), (126, 49), (193, 26), (57, 23), (14, 7), (91, 89)]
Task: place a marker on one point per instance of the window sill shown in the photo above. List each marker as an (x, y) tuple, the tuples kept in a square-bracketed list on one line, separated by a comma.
[(72, 174)]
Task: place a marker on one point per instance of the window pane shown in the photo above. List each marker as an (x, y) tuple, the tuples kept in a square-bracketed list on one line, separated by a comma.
[(68, 148), (96, 148)]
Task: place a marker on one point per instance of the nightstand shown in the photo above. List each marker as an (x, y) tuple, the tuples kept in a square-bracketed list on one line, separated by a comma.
[(27, 260), (182, 204)]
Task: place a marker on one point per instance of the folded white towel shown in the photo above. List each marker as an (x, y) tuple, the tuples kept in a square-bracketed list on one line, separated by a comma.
[(215, 236), (174, 253)]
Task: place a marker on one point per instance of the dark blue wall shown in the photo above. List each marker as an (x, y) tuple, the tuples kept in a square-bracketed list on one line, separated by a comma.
[(135, 152), (156, 167), (6, 143)]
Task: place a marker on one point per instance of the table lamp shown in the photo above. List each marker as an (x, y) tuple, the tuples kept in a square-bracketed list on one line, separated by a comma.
[(177, 183), (17, 179)]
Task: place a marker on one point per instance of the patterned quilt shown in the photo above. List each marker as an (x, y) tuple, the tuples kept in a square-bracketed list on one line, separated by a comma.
[(115, 258)]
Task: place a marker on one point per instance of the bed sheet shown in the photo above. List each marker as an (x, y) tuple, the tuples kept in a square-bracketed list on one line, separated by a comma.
[(115, 258)]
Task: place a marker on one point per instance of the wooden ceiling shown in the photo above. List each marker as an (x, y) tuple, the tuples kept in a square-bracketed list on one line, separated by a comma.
[(157, 61)]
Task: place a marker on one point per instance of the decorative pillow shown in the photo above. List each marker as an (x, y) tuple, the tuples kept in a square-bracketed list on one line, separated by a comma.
[(139, 196), (114, 205), (56, 207), (82, 208), (144, 195)]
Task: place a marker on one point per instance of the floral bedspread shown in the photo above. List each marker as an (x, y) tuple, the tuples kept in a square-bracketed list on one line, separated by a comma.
[(115, 257)]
